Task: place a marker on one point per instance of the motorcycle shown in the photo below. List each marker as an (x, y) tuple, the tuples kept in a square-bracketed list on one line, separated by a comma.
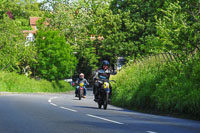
[(103, 96), (81, 90)]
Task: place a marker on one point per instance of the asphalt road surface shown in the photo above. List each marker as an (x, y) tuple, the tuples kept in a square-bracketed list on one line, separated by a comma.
[(64, 113)]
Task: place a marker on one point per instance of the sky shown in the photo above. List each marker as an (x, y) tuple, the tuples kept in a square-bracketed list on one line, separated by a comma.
[(42, 0), (39, 0)]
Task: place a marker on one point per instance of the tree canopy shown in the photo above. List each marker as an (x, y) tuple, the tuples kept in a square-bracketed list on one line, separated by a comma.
[(102, 29), (55, 59)]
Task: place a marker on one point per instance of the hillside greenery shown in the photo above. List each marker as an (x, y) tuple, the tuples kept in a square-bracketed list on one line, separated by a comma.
[(170, 88)]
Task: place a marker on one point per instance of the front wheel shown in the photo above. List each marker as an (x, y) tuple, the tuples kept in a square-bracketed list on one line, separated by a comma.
[(79, 94), (99, 105), (105, 104)]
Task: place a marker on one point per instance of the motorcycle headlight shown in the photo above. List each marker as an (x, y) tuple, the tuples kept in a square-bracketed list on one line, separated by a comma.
[(81, 84), (106, 85)]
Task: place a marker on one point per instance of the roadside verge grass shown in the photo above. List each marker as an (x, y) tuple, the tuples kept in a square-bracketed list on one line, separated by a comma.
[(12, 82), (167, 88)]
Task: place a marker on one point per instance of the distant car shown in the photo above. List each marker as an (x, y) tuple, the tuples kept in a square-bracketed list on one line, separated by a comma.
[(120, 62), (119, 66), (68, 80)]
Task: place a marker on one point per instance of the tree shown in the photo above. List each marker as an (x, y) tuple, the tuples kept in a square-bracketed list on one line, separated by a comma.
[(74, 20), (21, 10), (155, 26), (178, 29), (14, 55), (55, 60), (137, 24), (14, 17)]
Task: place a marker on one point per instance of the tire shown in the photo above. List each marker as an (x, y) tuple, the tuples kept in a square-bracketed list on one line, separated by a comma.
[(99, 105), (79, 94), (105, 104)]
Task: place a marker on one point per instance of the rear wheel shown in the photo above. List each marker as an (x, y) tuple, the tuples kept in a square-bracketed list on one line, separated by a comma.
[(79, 94)]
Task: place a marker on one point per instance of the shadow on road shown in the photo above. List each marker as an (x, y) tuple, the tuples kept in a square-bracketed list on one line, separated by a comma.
[(86, 107), (109, 109), (76, 99)]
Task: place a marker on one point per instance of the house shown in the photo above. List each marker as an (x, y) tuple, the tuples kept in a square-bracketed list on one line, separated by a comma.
[(29, 34)]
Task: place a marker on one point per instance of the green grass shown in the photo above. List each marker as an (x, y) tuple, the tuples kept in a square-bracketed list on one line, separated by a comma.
[(12, 82), (166, 88)]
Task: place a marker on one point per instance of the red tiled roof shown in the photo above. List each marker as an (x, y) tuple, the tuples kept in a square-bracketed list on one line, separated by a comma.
[(33, 20), (33, 25)]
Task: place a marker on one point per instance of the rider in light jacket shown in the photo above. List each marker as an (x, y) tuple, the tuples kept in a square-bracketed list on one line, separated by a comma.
[(79, 80)]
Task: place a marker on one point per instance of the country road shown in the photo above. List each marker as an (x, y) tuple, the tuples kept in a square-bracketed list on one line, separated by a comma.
[(64, 113)]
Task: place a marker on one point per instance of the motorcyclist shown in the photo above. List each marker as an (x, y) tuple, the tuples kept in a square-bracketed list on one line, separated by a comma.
[(101, 73), (79, 80)]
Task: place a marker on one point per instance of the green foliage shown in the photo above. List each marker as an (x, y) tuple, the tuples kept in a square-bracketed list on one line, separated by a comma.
[(12, 82), (55, 59), (14, 55), (130, 28), (156, 26), (21, 10), (73, 22), (176, 33), (167, 88), (178, 90), (137, 24)]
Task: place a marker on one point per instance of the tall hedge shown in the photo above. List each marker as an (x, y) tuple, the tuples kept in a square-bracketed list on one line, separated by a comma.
[(55, 59)]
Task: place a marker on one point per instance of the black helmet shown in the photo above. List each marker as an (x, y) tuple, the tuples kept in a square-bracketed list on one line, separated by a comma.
[(105, 62)]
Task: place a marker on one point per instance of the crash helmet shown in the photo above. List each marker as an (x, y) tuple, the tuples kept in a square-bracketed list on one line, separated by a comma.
[(105, 62), (81, 76)]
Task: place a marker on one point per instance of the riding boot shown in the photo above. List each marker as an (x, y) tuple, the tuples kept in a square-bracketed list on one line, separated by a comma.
[(96, 91), (76, 93), (96, 96)]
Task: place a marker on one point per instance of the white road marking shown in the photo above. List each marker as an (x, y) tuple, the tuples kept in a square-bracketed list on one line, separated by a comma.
[(151, 132), (60, 106), (53, 104), (68, 109), (51, 99), (104, 119)]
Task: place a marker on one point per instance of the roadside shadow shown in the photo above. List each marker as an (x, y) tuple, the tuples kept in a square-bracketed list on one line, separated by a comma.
[(86, 107), (108, 109), (76, 99)]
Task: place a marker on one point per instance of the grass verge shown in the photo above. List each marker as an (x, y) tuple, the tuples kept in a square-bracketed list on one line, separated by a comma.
[(12, 82), (168, 88)]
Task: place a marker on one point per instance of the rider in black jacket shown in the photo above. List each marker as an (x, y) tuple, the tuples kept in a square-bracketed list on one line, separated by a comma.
[(101, 73)]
